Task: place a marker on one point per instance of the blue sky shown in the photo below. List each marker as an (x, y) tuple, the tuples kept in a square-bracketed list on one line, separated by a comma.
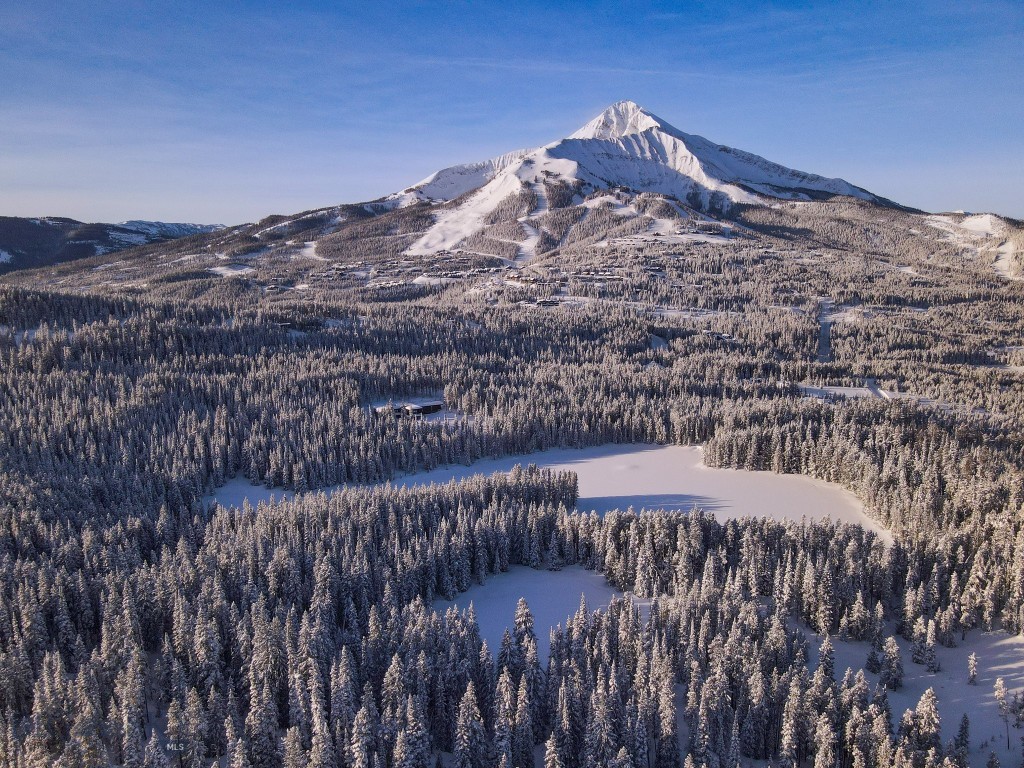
[(228, 111)]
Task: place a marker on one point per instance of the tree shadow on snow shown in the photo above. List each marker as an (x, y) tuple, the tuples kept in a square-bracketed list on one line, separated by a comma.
[(666, 502)]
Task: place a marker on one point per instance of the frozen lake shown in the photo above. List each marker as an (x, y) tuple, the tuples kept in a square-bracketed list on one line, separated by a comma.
[(553, 596), (669, 477)]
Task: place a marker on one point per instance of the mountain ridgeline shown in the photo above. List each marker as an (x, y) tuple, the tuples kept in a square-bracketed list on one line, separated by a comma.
[(627, 176), (27, 243)]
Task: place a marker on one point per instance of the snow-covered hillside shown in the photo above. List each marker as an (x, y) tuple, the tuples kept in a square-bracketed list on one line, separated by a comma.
[(450, 183), (166, 230), (988, 235), (26, 243), (624, 147)]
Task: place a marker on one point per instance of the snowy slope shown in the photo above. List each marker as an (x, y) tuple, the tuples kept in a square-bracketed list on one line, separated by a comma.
[(631, 134), (49, 240), (450, 183), (626, 147), (988, 235), (455, 225), (999, 655)]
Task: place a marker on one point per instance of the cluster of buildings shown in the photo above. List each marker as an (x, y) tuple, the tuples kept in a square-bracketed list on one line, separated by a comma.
[(410, 410)]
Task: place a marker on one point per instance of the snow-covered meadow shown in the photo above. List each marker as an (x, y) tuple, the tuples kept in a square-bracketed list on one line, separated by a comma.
[(553, 596), (999, 655), (231, 270)]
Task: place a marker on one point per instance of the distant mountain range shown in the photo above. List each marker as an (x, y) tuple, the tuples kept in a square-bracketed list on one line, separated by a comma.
[(49, 240)]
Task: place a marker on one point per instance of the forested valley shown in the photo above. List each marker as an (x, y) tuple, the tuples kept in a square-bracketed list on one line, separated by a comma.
[(144, 626)]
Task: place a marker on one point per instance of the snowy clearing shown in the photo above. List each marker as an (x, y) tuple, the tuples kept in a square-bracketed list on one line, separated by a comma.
[(553, 596), (231, 270), (846, 313), (999, 655), (871, 389), (982, 224), (308, 251), (455, 225), (984, 233), (668, 477)]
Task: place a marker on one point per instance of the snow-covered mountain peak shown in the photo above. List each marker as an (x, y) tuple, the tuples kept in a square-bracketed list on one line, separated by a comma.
[(620, 119), (625, 147)]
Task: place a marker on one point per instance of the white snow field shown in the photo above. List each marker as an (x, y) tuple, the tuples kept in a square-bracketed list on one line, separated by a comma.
[(231, 270), (449, 183), (553, 596), (308, 251), (999, 655), (658, 342), (984, 233), (669, 477)]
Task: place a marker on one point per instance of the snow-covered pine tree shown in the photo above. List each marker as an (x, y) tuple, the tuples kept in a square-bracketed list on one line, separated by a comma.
[(892, 665), (470, 738)]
